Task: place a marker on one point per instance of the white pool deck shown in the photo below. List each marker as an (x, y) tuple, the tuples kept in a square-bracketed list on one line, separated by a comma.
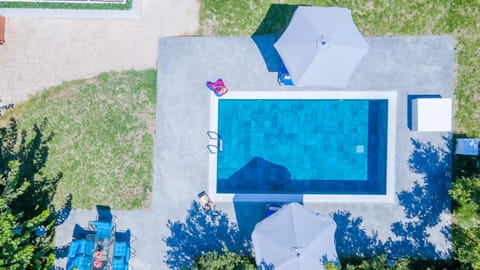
[(388, 197), (406, 66)]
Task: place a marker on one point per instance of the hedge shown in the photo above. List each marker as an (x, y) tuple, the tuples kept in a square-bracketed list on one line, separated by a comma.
[(51, 5)]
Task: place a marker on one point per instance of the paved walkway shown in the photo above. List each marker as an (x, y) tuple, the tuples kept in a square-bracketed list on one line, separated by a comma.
[(47, 49)]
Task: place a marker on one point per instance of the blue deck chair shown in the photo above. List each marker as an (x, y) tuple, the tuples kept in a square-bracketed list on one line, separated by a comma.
[(121, 249), (103, 229), (88, 247), (104, 213), (123, 236), (81, 247), (126, 237), (73, 249), (119, 264), (80, 232), (80, 262)]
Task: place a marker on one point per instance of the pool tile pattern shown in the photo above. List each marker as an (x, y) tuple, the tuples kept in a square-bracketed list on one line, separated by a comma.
[(312, 140)]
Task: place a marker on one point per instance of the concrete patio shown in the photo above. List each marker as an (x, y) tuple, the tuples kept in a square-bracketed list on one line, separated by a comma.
[(421, 65), (418, 223)]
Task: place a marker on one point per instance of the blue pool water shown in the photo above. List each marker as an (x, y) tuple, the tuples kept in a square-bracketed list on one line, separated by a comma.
[(302, 146)]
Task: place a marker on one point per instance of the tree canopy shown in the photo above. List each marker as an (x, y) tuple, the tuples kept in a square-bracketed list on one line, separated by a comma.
[(27, 217)]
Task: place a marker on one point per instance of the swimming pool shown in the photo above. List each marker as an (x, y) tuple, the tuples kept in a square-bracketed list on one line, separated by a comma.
[(321, 145)]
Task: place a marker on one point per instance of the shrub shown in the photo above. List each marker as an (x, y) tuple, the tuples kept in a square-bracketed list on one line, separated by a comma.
[(25, 199), (226, 261), (465, 193), (382, 262), (51, 5)]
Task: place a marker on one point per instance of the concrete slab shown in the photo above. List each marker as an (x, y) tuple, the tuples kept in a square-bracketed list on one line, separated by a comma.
[(418, 223)]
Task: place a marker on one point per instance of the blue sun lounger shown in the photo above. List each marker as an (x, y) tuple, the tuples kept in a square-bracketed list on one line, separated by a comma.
[(80, 263), (80, 247), (103, 229)]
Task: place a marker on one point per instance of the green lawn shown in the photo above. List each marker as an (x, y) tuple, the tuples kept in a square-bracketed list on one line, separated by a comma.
[(374, 18), (103, 144)]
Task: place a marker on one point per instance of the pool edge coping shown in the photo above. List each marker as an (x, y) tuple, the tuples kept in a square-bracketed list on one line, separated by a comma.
[(389, 197)]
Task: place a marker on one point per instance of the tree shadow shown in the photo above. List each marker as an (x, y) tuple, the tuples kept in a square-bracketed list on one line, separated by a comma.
[(30, 153), (62, 214), (425, 202), (62, 251), (423, 206), (351, 239), (202, 231)]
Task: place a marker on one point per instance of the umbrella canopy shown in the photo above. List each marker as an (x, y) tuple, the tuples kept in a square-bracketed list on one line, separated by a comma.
[(294, 238), (321, 47)]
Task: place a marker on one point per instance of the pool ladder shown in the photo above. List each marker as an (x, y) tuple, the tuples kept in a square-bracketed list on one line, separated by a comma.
[(214, 148)]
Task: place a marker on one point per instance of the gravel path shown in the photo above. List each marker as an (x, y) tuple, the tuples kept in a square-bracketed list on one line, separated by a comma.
[(45, 48)]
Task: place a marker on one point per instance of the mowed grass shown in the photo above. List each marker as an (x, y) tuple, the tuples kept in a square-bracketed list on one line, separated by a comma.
[(461, 19), (103, 144)]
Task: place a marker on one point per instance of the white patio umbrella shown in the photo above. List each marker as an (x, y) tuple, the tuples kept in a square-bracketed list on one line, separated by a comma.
[(294, 238), (321, 47)]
